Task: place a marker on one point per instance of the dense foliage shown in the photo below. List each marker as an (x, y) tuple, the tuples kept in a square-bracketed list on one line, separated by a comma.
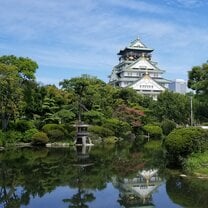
[(29, 173), (198, 81), (182, 142), (39, 138), (172, 106), (167, 126), (153, 131)]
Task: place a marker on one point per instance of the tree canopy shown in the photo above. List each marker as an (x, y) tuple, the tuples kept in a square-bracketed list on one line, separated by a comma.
[(198, 81), (172, 106), (25, 66), (11, 93)]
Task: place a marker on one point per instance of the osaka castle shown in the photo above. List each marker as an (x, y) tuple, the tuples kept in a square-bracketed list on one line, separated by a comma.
[(137, 70)]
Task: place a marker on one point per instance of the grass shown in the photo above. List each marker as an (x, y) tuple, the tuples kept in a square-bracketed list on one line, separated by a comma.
[(197, 163)]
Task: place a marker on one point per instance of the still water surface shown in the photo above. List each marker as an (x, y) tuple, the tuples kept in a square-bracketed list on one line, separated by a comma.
[(101, 177)]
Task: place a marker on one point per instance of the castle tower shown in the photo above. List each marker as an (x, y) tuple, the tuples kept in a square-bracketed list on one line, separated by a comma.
[(137, 70)]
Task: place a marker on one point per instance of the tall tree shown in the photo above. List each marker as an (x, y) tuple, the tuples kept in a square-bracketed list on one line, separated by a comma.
[(86, 90), (10, 94), (173, 106), (25, 70), (25, 66), (198, 81)]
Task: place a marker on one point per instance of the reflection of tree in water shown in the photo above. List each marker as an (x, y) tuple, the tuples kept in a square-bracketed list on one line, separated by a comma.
[(188, 192), (30, 173), (10, 196), (26, 173), (80, 199), (82, 196)]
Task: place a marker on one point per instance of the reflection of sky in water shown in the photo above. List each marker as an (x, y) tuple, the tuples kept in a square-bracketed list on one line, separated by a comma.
[(104, 198), (161, 199), (53, 199)]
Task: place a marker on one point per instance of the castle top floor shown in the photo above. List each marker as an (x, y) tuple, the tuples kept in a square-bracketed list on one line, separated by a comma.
[(134, 51)]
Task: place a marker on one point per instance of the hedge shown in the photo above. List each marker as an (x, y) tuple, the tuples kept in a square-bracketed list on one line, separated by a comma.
[(40, 138), (182, 142)]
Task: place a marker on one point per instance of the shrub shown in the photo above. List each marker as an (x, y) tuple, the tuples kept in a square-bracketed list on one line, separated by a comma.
[(48, 127), (24, 125), (13, 136), (54, 131), (55, 135), (154, 131), (28, 135), (168, 126), (182, 142), (39, 138), (117, 126), (101, 131)]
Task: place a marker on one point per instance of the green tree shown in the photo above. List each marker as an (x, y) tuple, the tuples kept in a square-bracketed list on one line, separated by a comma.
[(88, 92), (25, 70), (34, 95), (172, 106), (25, 67), (55, 104), (129, 96), (198, 80), (11, 94)]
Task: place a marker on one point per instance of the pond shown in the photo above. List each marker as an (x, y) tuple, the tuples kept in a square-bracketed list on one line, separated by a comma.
[(97, 177)]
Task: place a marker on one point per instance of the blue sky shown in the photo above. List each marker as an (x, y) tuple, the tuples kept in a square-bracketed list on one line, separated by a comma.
[(68, 38)]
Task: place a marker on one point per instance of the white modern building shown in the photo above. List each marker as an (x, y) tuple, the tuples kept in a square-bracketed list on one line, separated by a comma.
[(179, 86), (137, 70)]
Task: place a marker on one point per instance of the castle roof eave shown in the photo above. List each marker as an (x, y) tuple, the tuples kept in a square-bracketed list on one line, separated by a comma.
[(135, 49), (150, 63)]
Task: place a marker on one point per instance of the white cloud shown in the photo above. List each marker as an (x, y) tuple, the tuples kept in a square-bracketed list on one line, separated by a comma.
[(188, 3), (87, 34), (142, 6)]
